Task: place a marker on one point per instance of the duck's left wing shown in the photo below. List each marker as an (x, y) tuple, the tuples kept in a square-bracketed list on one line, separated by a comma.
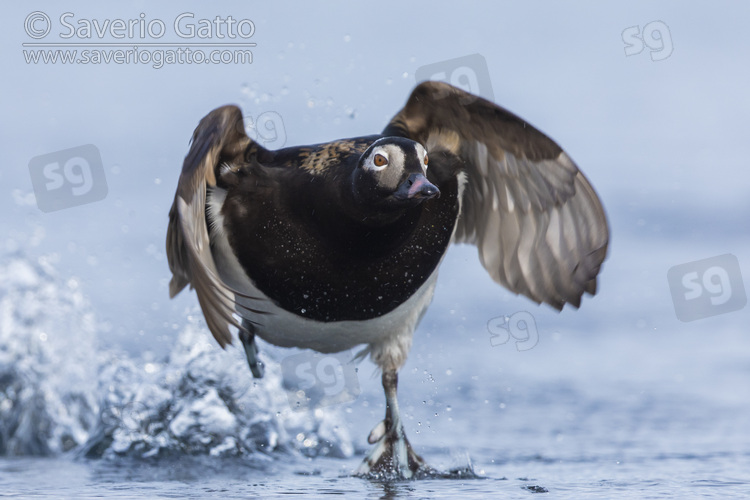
[(538, 225)]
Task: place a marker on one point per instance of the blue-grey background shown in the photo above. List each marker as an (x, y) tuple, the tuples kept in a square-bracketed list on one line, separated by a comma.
[(663, 142)]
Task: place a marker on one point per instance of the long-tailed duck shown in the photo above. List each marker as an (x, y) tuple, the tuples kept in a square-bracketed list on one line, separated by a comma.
[(336, 245)]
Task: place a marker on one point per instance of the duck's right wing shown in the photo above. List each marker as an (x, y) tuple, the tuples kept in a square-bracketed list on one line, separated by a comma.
[(219, 139)]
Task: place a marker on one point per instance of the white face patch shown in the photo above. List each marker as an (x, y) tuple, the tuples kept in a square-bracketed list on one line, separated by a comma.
[(422, 155), (387, 161), (370, 163), (394, 158)]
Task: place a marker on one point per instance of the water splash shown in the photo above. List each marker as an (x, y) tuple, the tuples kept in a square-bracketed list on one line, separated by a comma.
[(47, 345), (59, 393)]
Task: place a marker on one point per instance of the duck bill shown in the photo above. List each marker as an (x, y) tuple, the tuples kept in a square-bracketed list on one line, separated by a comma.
[(416, 187)]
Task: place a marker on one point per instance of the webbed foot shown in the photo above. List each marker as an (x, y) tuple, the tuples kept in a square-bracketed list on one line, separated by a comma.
[(392, 457)]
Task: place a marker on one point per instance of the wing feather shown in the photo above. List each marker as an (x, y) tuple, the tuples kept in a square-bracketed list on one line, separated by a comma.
[(539, 227), (219, 138)]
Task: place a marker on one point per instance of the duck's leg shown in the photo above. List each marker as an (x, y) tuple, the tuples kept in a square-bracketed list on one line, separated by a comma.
[(247, 336), (392, 454)]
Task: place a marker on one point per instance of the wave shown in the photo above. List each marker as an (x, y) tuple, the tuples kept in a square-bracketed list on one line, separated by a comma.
[(60, 393)]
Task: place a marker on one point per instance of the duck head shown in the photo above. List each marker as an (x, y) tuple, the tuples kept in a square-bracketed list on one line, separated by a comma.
[(391, 175)]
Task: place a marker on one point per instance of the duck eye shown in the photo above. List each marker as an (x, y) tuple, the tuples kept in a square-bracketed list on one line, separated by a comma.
[(426, 160), (380, 160)]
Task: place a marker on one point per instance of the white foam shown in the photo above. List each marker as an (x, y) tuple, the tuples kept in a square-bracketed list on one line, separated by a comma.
[(59, 392)]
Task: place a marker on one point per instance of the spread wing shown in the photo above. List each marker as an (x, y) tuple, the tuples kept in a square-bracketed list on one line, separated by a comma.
[(538, 225), (219, 139)]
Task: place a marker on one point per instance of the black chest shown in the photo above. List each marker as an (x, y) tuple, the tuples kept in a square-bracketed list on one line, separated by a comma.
[(324, 267)]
